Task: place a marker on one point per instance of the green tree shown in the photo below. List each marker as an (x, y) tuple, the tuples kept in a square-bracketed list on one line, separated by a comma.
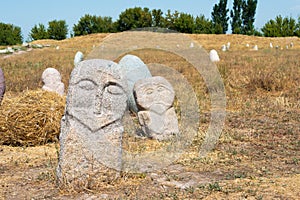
[(297, 31), (157, 18), (57, 30), (133, 18), (280, 27), (236, 16), (38, 32), (270, 29), (10, 34), (248, 16), (170, 19), (184, 23), (203, 25), (89, 24), (219, 17), (86, 25)]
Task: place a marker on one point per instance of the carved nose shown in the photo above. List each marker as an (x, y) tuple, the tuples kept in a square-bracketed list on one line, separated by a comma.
[(98, 102)]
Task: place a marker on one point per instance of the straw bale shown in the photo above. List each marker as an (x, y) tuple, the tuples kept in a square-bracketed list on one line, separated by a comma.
[(30, 119)]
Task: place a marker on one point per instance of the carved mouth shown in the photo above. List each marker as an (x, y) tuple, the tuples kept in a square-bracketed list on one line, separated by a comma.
[(159, 107)]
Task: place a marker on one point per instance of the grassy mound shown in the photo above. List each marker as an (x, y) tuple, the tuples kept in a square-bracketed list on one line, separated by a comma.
[(30, 119)]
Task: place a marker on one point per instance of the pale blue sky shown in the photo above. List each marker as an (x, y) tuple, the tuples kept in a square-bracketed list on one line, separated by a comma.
[(27, 13)]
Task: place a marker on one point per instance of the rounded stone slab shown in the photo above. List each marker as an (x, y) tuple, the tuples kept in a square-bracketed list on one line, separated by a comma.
[(213, 55), (78, 57), (134, 69)]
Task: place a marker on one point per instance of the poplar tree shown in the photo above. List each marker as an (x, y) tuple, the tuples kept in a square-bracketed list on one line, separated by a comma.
[(236, 17), (220, 17), (248, 16)]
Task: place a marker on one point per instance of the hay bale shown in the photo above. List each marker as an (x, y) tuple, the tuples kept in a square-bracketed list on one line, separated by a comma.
[(31, 119)]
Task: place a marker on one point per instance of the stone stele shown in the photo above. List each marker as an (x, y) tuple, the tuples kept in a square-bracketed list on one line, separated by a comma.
[(134, 69), (78, 57), (155, 97), (52, 81), (91, 129), (213, 55), (2, 85)]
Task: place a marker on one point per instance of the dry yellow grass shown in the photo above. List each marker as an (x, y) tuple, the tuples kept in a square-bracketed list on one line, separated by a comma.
[(257, 156), (31, 118), (239, 42)]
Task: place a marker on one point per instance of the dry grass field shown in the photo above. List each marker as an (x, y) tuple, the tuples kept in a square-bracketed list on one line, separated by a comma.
[(257, 155)]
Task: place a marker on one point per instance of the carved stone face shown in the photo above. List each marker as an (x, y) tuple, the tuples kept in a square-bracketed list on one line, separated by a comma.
[(50, 76), (97, 96), (52, 81), (154, 94)]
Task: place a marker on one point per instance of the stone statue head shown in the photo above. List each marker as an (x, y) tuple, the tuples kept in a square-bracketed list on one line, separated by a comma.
[(154, 94), (51, 75), (97, 94), (52, 81)]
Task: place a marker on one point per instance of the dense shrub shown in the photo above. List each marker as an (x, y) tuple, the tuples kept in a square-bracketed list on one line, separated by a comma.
[(10, 34)]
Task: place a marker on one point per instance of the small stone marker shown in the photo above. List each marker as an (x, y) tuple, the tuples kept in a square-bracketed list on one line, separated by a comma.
[(271, 45), (78, 57), (224, 48), (255, 48), (134, 69), (213, 55), (2, 85), (91, 130), (228, 46), (52, 81), (154, 97), (10, 49), (25, 44), (3, 51)]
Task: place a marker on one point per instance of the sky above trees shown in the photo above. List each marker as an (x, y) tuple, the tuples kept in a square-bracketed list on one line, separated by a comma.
[(26, 14)]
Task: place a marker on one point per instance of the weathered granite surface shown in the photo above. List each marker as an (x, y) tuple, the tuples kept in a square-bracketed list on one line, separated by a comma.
[(155, 97), (91, 130), (52, 81), (134, 69)]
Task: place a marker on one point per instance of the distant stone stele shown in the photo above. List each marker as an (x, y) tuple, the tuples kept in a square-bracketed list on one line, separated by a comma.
[(78, 57), (255, 48), (228, 45), (213, 55), (223, 48), (52, 81), (155, 97), (91, 130)]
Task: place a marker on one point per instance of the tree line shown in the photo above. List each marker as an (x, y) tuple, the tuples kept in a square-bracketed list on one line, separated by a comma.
[(241, 18)]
